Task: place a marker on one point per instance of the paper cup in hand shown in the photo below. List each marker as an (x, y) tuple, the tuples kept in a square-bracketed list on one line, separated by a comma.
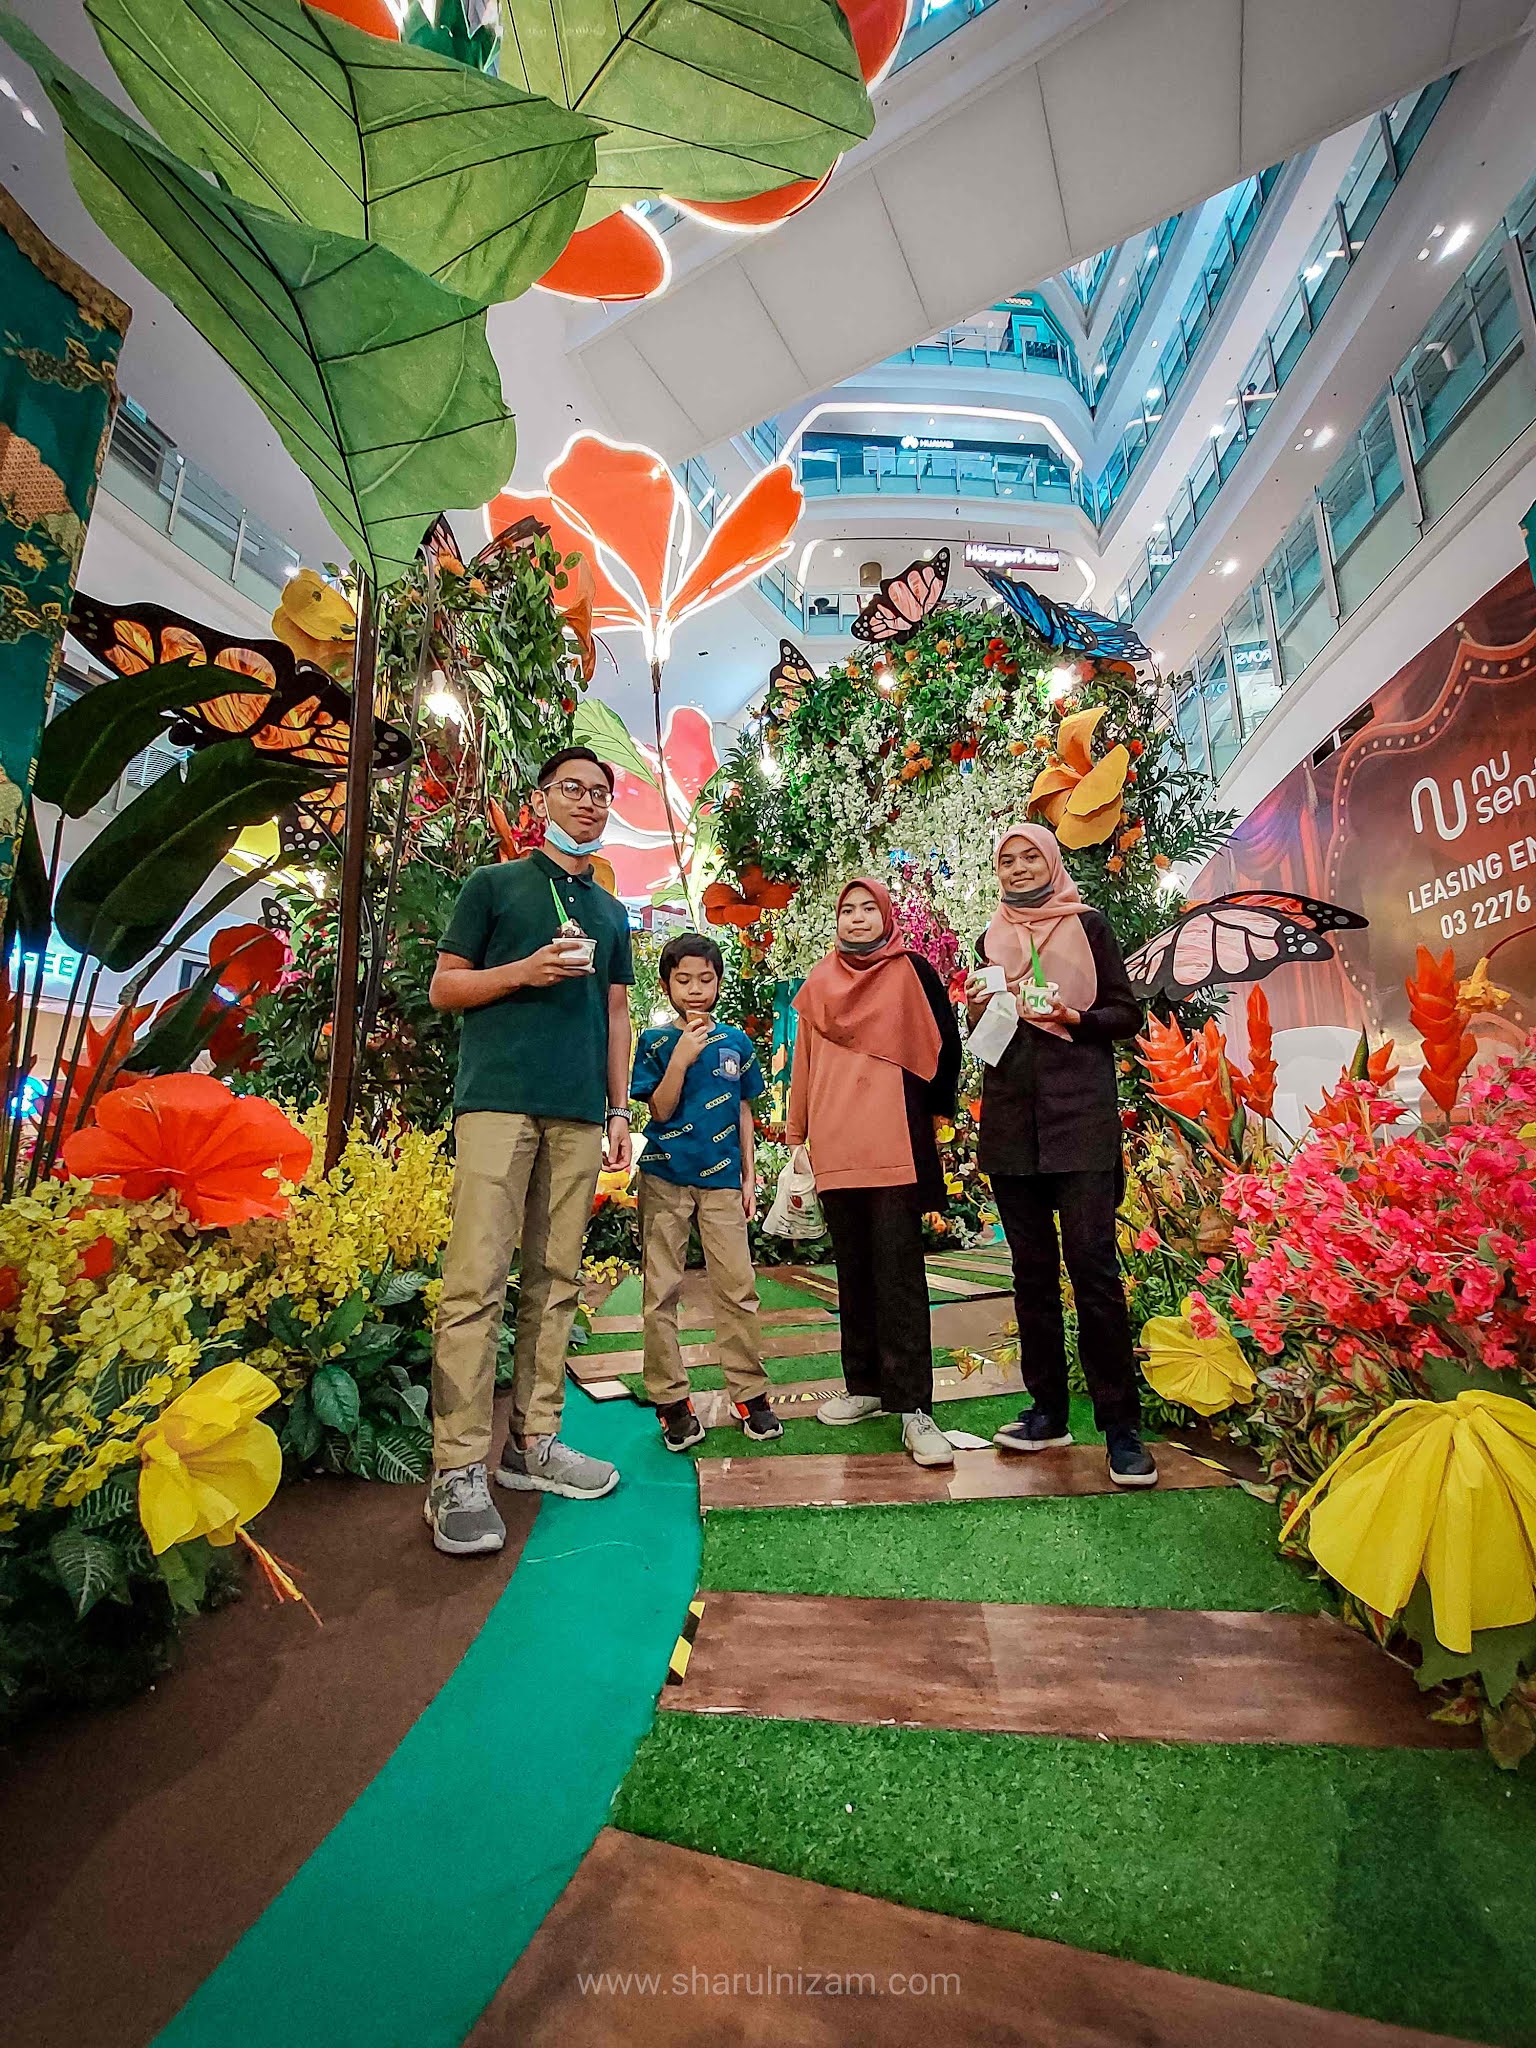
[(578, 952), (993, 979), (1038, 998)]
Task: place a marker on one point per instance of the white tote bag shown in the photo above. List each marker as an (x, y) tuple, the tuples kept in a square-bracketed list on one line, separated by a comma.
[(795, 1211)]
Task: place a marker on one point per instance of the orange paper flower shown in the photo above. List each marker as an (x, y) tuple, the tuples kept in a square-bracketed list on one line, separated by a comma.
[(186, 1134), (744, 906), (1173, 1068), (1082, 799), (624, 503)]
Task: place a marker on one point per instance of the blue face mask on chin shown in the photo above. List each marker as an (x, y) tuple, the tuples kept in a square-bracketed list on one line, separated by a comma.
[(574, 849)]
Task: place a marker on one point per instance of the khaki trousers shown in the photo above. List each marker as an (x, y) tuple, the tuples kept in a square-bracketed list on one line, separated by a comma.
[(520, 1183), (666, 1211)]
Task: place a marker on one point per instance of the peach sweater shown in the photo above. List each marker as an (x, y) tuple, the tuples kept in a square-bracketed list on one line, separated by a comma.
[(852, 1112)]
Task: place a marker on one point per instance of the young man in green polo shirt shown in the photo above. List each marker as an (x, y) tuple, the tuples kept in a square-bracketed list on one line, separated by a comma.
[(537, 958)]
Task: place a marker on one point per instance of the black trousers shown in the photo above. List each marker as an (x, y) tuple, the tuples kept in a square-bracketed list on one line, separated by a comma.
[(1028, 1205), (882, 1291)]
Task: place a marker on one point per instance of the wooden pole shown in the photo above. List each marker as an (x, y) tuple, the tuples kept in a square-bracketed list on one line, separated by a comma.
[(354, 862)]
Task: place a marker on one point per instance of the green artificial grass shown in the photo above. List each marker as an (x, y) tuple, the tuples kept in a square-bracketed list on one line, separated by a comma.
[(1193, 1549), (627, 1298), (1391, 1883), (634, 1340), (783, 1372)]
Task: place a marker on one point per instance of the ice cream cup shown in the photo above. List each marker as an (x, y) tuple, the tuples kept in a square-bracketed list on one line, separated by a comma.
[(579, 952), (1038, 998)]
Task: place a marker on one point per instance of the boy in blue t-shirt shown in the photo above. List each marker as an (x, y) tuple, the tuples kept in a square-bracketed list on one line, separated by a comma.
[(698, 1078)]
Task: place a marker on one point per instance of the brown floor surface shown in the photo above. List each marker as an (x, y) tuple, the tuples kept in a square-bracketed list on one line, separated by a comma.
[(879, 1479), (692, 1920), (141, 1841), (1125, 1673)]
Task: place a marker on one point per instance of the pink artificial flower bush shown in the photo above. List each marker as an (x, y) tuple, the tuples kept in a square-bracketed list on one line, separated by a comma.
[(1390, 1253)]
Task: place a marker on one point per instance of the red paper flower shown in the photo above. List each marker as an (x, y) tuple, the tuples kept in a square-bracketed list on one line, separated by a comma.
[(621, 508), (187, 1134)]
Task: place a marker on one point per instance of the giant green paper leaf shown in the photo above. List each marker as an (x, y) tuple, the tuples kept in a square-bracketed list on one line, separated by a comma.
[(702, 99), (380, 383), (139, 873), (471, 180)]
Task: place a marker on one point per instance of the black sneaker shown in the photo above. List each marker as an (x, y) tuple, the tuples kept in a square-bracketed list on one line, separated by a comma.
[(1034, 1431), (681, 1429), (1130, 1463), (757, 1419)]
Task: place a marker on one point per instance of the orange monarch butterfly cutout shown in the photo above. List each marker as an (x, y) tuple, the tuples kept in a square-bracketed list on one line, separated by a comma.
[(790, 677), (295, 710), (902, 602), (1241, 937)]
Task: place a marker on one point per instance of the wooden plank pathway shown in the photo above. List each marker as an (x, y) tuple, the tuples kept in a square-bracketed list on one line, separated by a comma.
[(878, 1479), (1116, 1673), (680, 1944)]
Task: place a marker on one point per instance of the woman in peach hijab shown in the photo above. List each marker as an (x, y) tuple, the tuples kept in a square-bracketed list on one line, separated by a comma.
[(877, 1056), (1050, 1144)]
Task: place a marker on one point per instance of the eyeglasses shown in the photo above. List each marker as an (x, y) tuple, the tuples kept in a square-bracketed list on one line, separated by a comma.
[(599, 795)]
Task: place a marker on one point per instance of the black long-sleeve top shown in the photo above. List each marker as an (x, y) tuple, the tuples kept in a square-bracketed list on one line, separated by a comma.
[(1051, 1105), (936, 1098)]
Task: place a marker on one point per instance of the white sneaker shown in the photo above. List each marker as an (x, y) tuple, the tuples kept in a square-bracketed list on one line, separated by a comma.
[(845, 1408), (923, 1440)]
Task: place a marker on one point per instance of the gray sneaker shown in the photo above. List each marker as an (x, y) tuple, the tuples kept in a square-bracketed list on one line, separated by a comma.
[(549, 1466), (923, 1440), (845, 1408), (461, 1514)]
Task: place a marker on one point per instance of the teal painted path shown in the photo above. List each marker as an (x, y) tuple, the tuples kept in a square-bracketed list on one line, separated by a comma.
[(398, 1929)]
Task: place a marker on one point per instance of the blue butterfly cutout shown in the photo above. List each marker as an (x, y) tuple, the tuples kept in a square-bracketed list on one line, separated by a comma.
[(1063, 626)]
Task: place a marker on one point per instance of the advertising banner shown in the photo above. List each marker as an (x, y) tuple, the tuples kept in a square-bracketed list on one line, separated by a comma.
[(1424, 820)]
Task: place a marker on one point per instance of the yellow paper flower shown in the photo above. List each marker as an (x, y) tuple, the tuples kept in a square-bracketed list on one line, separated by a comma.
[(1208, 1374), (1446, 1489), (207, 1466), (317, 622), (1083, 799)]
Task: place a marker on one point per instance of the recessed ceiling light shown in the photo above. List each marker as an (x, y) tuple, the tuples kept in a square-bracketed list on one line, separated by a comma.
[(1301, 444), (1323, 436), (1437, 231), (1423, 254), (927, 554), (1457, 239), (7, 88), (1229, 566), (1306, 433), (1191, 615)]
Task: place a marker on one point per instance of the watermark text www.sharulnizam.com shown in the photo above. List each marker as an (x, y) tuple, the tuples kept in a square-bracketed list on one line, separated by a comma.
[(767, 1983)]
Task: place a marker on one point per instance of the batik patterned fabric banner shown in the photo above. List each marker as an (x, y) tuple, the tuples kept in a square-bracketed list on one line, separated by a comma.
[(60, 334)]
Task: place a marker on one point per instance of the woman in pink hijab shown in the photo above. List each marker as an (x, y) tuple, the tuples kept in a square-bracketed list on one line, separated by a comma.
[(1050, 1145)]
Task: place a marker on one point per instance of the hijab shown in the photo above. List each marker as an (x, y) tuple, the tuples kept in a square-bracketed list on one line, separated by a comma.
[(1055, 924), (872, 1002)]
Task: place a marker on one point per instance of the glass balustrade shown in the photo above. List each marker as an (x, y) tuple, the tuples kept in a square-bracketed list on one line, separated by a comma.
[(1376, 170), (1024, 344), (1463, 395), (145, 471)]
